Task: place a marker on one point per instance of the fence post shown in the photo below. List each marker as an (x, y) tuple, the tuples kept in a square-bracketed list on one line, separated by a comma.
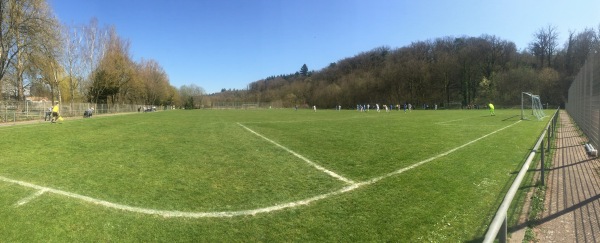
[(552, 125), (543, 165), (548, 149), (554, 122), (503, 231)]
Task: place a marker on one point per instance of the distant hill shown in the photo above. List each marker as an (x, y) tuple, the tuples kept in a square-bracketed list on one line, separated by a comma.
[(464, 70)]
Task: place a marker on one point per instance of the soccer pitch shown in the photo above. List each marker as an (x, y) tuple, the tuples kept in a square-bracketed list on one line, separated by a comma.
[(261, 175)]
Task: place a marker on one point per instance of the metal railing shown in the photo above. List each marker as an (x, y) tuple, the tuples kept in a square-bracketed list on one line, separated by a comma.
[(499, 226), (584, 99)]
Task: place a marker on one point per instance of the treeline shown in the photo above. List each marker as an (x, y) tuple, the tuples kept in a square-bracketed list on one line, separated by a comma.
[(40, 58), (444, 71)]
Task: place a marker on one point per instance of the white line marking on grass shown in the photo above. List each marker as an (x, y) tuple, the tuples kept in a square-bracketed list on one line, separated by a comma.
[(467, 125), (30, 197), (165, 213), (318, 167), (438, 156), (446, 122), (314, 120)]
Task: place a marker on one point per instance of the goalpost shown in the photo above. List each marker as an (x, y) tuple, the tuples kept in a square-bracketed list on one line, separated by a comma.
[(531, 102)]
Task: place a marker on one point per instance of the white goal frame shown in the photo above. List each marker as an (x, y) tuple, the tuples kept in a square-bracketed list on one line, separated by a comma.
[(537, 109)]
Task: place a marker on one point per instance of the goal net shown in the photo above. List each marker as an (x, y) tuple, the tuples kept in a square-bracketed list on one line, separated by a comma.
[(531, 107)]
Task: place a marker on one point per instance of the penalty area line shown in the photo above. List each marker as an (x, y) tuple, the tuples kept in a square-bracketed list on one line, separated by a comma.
[(30, 197), (400, 171), (456, 120), (250, 212), (318, 167)]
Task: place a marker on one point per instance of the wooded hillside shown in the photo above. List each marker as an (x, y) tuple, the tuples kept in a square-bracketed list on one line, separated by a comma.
[(446, 71)]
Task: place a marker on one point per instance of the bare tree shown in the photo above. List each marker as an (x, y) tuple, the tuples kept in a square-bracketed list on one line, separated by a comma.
[(72, 59), (597, 39), (44, 61), (8, 44), (545, 44), (114, 72), (156, 82), (94, 45), (24, 26), (192, 95)]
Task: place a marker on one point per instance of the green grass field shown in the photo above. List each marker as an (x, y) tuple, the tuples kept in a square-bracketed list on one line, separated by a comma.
[(261, 175)]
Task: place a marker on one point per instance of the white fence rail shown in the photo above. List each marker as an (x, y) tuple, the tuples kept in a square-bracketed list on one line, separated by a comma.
[(498, 227)]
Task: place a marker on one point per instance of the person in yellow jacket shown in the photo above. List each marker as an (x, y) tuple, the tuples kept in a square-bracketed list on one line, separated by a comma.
[(55, 114), (492, 109)]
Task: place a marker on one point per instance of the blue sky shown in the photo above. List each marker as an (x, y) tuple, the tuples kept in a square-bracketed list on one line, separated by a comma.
[(230, 43)]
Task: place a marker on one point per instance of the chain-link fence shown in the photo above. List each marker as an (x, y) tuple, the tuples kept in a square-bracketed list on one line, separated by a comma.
[(12, 111), (584, 99)]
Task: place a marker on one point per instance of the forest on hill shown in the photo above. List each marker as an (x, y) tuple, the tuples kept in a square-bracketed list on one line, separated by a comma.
[(43, 59), (447, 71)]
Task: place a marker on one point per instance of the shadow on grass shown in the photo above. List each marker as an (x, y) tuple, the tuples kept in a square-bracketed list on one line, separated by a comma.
[(506, 119)]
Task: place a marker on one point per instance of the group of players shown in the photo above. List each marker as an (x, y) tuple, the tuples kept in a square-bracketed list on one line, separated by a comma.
[(367, 107), (53, 114), (406, 106)]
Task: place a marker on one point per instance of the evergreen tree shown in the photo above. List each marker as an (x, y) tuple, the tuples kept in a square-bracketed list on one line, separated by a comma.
[(304, 70)]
